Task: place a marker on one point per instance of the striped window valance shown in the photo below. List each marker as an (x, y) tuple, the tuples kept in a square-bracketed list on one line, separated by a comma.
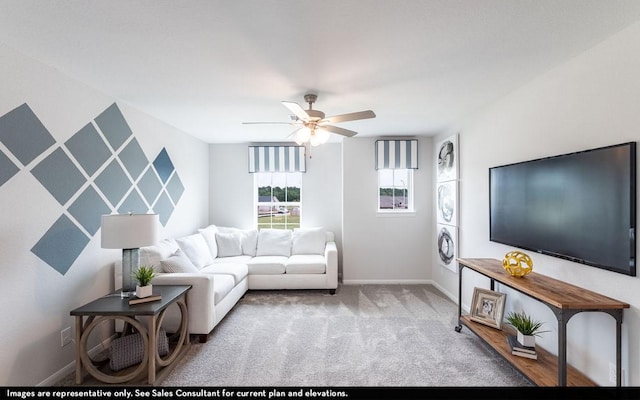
[(277, 159), (397, 154)]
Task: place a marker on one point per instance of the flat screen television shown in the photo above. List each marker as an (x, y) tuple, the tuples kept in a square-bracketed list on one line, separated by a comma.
[(579, 206)]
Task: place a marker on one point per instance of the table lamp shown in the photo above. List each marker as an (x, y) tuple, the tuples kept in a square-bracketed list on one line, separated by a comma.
[(129, 232)]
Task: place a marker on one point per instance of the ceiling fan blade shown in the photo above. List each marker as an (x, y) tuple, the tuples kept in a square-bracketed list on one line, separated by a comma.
[(296, 109), (293, 134), (339, 131), (350, 117)]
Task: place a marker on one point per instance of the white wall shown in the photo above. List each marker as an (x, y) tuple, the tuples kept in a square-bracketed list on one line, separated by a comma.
[(390, 248), (36, 298), (590, 101), (232, 195)]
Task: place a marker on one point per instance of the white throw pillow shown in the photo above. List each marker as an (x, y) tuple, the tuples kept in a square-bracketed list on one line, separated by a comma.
[(152, 255), (308, 241), (274, 242), (209, 234), (229, 244), (178, 262), (249, 242), (248, 238), (196, 248)]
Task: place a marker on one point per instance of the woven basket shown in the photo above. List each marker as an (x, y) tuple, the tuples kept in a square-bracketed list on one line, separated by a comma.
[(128, 350)]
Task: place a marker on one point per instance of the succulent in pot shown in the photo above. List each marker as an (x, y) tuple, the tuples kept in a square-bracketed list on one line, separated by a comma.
[(144, 274), (527, 328)]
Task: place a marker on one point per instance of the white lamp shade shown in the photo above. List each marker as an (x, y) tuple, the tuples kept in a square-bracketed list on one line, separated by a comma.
[(129, 231)]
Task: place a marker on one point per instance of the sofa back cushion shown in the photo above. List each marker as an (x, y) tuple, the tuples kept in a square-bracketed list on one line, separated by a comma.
[(274, 242), (196, 248), (229, 244), (248, 239), (209, 234), (308, 241), (178, 262)]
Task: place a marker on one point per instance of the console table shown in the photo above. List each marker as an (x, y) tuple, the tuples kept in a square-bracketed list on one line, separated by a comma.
[(113, 307), (565, 300)]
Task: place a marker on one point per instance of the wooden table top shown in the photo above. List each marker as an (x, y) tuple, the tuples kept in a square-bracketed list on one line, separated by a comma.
[(550, 290), (113, 304)]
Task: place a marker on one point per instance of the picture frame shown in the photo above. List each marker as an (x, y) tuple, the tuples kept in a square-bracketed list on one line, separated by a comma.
[(447, 245), (487, 307), (447, 203), (447, 159)]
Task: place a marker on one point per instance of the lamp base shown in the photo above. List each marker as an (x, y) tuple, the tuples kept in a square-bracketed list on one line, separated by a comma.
[(130, 262)]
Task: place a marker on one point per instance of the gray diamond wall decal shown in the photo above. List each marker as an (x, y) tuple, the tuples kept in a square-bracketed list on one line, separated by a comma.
[(24, 135), (113, 126), (89, 149), (7, 168), (163, 165), (113, 182), (59, 175), (61, 245)]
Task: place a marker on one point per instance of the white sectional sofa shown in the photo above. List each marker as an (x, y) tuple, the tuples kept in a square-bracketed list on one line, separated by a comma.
[(222, 263)]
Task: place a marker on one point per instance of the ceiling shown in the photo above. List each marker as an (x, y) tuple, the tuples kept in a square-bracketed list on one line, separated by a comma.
[(206, 66)]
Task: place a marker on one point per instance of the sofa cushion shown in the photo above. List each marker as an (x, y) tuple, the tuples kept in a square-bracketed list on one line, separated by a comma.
[(229, 244), (232, 260), (238, 271), (209, 234), (267, 265), (274, 242), (178, 262), (196, 248), (248, 238), (222, 285), (249, 242), (152, 255), (308, 241), (306, 264)]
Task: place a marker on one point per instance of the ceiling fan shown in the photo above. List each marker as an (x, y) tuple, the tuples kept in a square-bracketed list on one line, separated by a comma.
[(314, 127)]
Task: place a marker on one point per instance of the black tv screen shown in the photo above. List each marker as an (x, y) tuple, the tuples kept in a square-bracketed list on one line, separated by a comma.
[(579, 206)]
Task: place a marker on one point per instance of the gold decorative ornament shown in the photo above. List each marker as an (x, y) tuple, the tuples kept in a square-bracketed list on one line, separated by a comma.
[(517, 263)]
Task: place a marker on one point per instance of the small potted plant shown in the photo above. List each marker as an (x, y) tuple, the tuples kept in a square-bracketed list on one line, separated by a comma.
[(527, 328), (144, 275)]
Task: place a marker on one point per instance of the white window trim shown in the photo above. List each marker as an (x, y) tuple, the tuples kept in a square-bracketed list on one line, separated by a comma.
[(397, 211), (257, 204)]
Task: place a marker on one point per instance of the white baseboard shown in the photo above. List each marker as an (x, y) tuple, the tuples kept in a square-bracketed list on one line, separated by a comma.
[(388, 282), (71, 367), (450, 295)]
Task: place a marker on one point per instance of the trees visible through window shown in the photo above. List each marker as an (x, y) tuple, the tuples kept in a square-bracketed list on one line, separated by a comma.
[(278, 199), (395, 189)]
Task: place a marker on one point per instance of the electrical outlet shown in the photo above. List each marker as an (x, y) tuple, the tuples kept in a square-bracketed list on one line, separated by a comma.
[(65, 336), (612, 373)]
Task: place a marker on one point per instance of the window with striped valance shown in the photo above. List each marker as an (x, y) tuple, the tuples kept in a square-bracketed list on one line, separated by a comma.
[(397, 154), (277, 159)]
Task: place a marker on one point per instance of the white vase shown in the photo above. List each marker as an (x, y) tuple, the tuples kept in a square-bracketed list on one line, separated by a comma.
[(526, 340), (144, 291)]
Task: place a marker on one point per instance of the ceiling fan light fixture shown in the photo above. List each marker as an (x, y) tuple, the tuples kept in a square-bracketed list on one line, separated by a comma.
[(318, 137), (302, 136)]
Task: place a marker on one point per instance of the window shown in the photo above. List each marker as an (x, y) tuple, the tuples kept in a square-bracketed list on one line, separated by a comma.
[(277, 199), (395, 190)]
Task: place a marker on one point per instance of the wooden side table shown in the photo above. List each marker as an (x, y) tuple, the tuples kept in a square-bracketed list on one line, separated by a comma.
[(113, 307)]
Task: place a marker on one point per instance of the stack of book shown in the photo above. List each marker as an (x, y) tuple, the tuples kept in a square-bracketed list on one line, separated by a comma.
[(518, 349), (140, 300)]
